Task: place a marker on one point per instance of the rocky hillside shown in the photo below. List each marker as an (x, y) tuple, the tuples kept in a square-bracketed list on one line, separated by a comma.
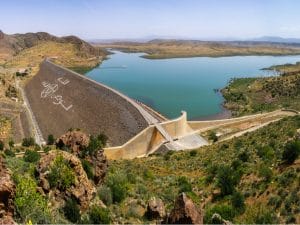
[(13, 44)]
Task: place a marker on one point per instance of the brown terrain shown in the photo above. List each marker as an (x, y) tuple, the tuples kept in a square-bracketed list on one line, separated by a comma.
[(162, 49), (83, 104)]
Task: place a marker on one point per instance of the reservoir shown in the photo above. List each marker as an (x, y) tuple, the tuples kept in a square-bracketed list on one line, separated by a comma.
[(172, 85)]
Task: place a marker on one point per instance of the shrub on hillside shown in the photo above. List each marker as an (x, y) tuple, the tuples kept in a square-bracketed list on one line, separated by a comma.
[(265, 172), (50, 140), (9, 152), (291, 152), (225, 211), (11, 143), (184, 185), (1, 145), (98, 215), (226, 180), (60, 174), (27, 142), (31, 156), (213, 136), (88, 168), (30, 204), (71, 210), (105, 195), (117, 183), (238, 202)]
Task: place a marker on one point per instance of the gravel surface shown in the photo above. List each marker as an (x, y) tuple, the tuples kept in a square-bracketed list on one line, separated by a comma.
[(85, 105)]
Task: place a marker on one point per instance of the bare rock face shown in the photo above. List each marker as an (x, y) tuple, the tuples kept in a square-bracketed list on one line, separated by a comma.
[(155, 209), (7, 193), (82, 191), (74, 140), (184, 212)]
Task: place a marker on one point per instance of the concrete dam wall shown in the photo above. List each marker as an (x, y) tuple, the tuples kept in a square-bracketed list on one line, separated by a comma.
[(61, 99)]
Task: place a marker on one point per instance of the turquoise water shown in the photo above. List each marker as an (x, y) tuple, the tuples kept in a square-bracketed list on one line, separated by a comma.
[(172, 85)]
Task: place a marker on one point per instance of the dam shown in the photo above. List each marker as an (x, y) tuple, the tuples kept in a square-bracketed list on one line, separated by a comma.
[(59, 99)]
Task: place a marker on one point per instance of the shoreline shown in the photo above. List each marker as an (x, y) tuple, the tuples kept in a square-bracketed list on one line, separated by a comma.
[(224, 114)]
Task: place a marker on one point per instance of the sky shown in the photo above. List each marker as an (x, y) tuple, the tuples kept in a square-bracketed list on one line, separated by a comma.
[(132, 19)]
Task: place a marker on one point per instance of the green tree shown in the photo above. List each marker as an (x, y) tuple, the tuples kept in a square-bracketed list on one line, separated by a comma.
[(1, 145), (213, 136), (226, 180), (291, 152), (11, 143), (184, 184), (61, 174), (31, 156), (51, 139), (27, 142)]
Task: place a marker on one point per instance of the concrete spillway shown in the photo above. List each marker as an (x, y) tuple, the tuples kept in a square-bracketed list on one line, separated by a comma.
[(62, 99)]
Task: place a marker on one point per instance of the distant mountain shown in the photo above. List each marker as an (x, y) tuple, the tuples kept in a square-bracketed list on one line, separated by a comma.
[(276, 39)]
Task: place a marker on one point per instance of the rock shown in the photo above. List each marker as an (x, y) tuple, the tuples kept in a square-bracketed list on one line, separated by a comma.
[(7, 193), (73, 140), (184, 212), (217, 219), (82, 191), (155, 209), (100, 164)]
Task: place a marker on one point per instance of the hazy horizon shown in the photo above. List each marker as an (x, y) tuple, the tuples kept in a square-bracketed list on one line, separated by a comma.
[(133, 19)]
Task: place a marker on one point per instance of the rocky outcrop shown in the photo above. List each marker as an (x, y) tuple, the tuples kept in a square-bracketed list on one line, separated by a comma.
[(7, 193), (155, 209), (99, 162), (184, 212), (82, 191), (73, 140), (77, 141)]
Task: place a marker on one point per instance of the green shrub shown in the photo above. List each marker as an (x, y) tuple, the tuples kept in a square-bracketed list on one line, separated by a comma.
[(31, 156), (291, 152), (226, 180), (193, 153), (95, 144), (11, 143), (287, 177), (244, 156), (238, 202), (105, 195), (30, 204), (99, 215), (265, 152), (275, 201), (27, 142), (213, 136), (51, 139), (118, 185), (225, 211), (71, 210), (88, 168), (1, 145), (60, 175), (184, 185), (265, 172), (9, 152)]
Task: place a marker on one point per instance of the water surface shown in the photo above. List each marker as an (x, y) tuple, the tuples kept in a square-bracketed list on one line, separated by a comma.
[(172, 85)]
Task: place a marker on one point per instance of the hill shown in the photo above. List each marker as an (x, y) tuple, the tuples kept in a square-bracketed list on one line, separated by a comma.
[(160, 48), (252, 95)]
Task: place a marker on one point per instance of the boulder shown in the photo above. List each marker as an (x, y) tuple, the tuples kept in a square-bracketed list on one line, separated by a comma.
[(73, 140), (83, 191), (155, 209), (7, 193), (184, 212)]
